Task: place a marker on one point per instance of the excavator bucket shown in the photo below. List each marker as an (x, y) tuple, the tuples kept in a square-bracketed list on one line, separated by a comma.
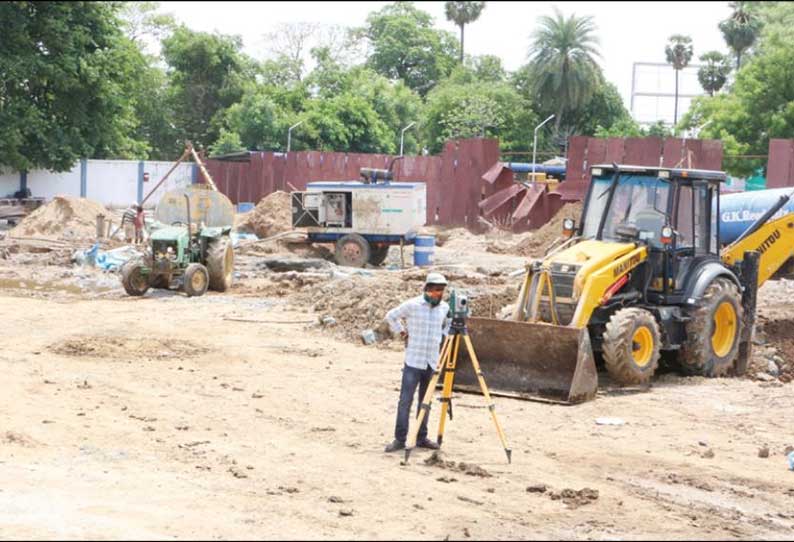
[(530, 361)]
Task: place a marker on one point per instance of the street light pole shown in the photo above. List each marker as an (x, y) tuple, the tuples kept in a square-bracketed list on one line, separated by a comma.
[(289, 134), (402, 136), (535, 144)]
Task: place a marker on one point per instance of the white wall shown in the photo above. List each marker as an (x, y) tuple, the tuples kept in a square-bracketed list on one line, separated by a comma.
[(181, 176), (45, 184), (9, 183), (111, 182)]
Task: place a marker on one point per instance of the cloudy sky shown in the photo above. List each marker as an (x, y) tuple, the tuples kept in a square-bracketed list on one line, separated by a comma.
[(629, 31)]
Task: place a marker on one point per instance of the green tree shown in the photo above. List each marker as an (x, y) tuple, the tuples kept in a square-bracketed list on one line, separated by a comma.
[(65, 68), (142, 20), (625, 127), (406, 46), (741, 29), (207, 74), (257, 121), (228, 143), (563, 68), (605, 108), (488, 68), (759, 106), (478, 109), (463, 13), (714, 73), (678, 52)]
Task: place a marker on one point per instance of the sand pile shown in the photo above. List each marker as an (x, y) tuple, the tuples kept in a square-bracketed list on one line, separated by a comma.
[(64, 217), (272, 215), (536, 243)]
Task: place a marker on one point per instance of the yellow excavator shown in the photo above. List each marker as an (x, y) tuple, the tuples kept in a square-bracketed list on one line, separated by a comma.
[(642, 274)]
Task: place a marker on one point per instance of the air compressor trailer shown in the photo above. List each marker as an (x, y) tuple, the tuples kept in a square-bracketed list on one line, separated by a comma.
[(362, 218)]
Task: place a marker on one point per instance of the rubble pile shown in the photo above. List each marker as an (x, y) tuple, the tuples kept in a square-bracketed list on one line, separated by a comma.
[(535, 243)]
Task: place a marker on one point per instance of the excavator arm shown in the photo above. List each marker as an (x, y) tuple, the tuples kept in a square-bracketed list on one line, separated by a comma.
[(773, 240)]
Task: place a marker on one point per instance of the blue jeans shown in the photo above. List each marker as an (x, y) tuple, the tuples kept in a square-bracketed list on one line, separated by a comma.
[(412, 378)]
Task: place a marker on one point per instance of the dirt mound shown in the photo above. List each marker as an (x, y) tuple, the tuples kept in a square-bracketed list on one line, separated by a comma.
[(535, 243), (64, 217), (127, 348), (272, 215)]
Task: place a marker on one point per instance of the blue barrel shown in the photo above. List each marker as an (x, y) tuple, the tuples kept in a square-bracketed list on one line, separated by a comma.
[(424, 245), (739, 211), (244, 207)]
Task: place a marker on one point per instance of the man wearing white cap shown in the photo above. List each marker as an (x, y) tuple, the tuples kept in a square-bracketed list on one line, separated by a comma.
[(426, 323)]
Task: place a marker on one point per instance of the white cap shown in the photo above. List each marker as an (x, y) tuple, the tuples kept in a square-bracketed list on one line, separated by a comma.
[(435, 278)]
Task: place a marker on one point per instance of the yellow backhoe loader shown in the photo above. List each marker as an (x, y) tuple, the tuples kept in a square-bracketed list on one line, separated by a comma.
[(642, 273)]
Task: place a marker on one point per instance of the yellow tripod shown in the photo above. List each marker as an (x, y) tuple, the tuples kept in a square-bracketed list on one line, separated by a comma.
[(447, 362)]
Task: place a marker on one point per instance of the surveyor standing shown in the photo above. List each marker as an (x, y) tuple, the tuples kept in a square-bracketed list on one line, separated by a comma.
[(426, 323)]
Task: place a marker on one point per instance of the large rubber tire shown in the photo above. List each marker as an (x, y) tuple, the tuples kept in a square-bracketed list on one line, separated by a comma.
[(631, 346), (352, 250), (713, 331), (197, 280), (378, 254), (134, 282), (220, 264)]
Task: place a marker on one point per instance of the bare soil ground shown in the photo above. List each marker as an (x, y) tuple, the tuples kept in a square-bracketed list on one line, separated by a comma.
[(240, 416)]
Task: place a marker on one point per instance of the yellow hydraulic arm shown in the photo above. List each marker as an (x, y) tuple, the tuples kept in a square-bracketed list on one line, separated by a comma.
[(773, 240)]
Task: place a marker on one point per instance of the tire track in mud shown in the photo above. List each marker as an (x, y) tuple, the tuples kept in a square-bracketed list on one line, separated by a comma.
[(721, 505)]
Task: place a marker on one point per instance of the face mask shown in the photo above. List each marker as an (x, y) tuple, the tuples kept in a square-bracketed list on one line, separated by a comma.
[(434, 298)]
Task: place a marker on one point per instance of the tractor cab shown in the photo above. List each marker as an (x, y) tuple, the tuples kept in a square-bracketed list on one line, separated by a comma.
[(672, 211)]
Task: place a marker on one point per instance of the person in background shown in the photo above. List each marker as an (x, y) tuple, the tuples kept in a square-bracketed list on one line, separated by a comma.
[(128, 221), (140, 224)]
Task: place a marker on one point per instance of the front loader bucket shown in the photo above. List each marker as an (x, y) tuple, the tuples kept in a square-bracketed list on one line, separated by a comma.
[(530, 360)]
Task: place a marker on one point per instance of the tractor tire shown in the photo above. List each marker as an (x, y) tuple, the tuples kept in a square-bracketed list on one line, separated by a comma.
[(196, 280), (220, 264), (134, 282), (378, 254), (713, 332), (631, 346), (352, 250)]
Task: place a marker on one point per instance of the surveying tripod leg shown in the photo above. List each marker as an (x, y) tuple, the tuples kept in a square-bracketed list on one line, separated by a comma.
[(424, 410), (446, 394), (476, 366)]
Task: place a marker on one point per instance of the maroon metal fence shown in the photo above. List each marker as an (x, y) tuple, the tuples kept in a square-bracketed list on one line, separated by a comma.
[(468, 172), (780, 166), (454, 178)]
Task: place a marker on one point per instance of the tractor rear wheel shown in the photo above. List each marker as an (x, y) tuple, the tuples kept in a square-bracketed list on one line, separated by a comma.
[(713, 331), (352, 250), (197, 280), (378, 254), (631, 346), (220, 264), (134, 281)]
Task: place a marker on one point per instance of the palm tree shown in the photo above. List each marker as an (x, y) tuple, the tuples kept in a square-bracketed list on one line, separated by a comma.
[(714, 73), (679, 53), (463, 13), (562, 62), (741, 29)]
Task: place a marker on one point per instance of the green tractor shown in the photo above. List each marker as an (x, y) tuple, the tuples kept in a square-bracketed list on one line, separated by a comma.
[(194, 258)]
